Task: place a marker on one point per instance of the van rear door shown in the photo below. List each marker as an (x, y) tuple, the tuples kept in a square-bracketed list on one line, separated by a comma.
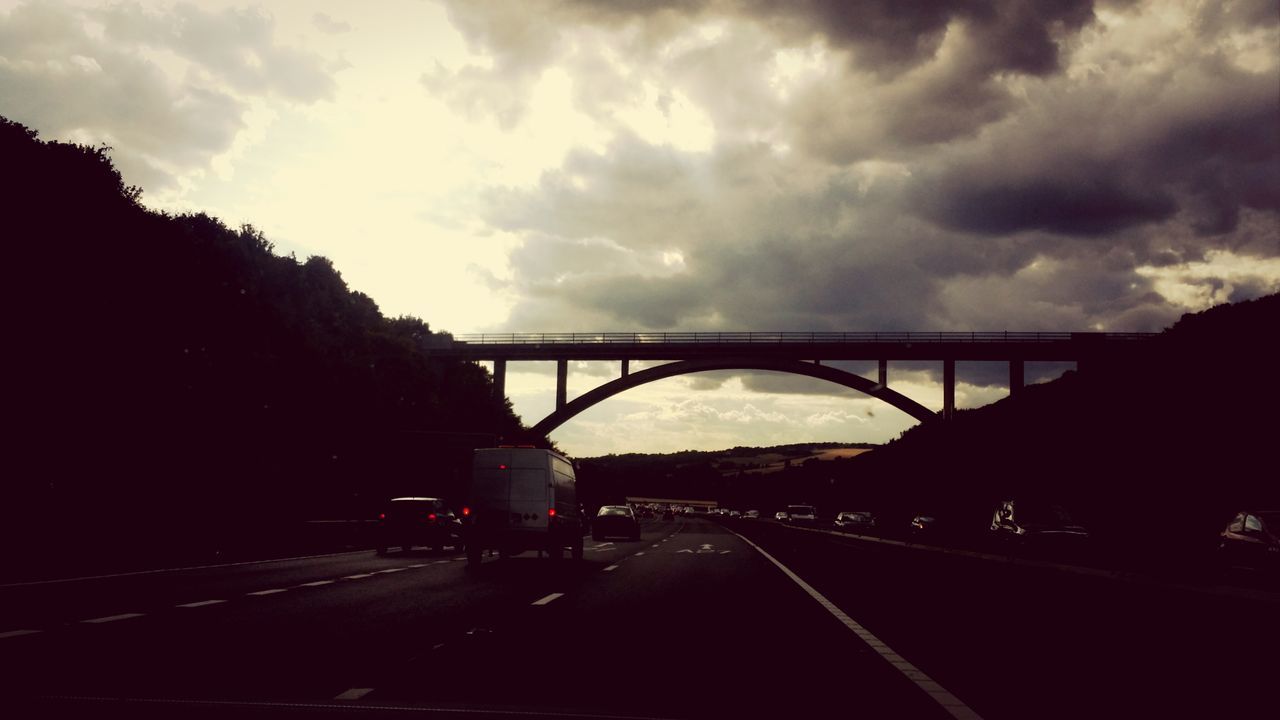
[(530, 489)]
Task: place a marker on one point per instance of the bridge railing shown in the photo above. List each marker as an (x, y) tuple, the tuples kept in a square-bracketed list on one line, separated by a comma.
[(672, 338)]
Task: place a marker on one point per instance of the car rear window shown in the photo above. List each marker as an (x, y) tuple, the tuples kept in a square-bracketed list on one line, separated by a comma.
[(614, 511)]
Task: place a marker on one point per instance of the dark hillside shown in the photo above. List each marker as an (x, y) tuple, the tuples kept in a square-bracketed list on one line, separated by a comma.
[(1152, 452), (173, 381)]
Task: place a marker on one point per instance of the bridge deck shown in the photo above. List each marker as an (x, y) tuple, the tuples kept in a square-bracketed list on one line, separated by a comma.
[(795, 345)]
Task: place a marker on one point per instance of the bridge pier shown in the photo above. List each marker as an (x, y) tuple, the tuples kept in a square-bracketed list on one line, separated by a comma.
[(626, 368), (500, 380), (884, 373), (1017, 372), (562, 382), (948, 389)]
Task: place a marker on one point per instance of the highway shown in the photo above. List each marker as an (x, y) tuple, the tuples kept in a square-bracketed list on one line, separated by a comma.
[(694, 621)]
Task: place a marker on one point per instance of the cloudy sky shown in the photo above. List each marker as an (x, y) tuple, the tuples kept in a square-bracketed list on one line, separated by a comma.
[(565, 165)]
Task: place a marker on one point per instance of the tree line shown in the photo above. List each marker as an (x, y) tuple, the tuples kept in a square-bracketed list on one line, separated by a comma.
[(175, 380)]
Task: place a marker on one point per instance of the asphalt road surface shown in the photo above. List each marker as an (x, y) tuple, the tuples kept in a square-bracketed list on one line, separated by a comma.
[(694, 621)]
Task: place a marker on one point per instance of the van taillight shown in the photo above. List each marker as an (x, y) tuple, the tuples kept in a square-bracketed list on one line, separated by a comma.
[(551, 512)]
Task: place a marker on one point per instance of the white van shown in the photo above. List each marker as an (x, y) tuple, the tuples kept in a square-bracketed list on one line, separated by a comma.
[(520, 499)]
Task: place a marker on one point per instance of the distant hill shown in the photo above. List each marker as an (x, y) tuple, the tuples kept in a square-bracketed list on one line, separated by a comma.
[(737, 476)]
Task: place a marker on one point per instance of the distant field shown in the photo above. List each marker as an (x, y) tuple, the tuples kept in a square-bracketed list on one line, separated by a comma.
[(766, 463)]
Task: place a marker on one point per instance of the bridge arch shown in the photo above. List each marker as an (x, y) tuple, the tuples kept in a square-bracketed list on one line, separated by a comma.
[(684, 367)]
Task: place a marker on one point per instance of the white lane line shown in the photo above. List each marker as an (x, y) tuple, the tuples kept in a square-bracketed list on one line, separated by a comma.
[(654, 545), (113, 618), (949, 702), (391, 570), (269, 592), (725, 552), (639, 553), (611, 568), (442, 562), (464, 557), (548, 598), (437, 646), (318, 583), (353, 694), (17, 633), (202, 603), (358, 576), (177, 569), (419, 565)]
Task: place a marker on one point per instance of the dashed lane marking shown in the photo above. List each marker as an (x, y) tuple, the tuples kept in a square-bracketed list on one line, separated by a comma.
[(318, 583), (639, 553), (442, 562), (725, 552), (949, 702), (419, 565), (548, 598), (202, 603), (353, 694), (268, 592), (358, 576), (17, 633), (611, 568), (113, 618), (391, 570), (176, 569)]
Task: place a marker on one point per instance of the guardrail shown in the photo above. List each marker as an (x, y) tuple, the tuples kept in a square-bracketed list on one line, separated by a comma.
[(778, 338)]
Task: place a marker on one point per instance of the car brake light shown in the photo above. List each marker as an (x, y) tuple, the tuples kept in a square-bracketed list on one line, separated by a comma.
[(466, 511), (431, 516), (502, 467), (551, 512), (382, 516)]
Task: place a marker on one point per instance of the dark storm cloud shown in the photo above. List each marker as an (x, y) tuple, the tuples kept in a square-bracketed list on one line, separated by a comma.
[(891, 36)]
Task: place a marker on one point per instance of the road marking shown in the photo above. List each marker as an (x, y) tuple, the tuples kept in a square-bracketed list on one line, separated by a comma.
[(725, 552), (177, 569), (442, 562), (639, 553), (611, 568), (949, 702), (464, 557), (391, 570), (654, 545), (548, 598), (437, 646), (113, 618), (17, 633), (357, 577), (269, 592), (202, 603), (686, 550), (419, 565), (318, 583), (353, 694)]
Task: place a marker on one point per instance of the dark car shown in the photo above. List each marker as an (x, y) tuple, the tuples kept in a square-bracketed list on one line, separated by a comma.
[(615, 521), (851, 521), (1038, 526), (411, 521), (1252, 540)]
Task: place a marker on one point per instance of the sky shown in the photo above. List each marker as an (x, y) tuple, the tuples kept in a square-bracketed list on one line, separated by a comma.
[(829, 165)]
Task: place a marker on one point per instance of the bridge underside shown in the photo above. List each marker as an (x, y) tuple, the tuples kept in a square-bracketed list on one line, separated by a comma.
[(566, 410)]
